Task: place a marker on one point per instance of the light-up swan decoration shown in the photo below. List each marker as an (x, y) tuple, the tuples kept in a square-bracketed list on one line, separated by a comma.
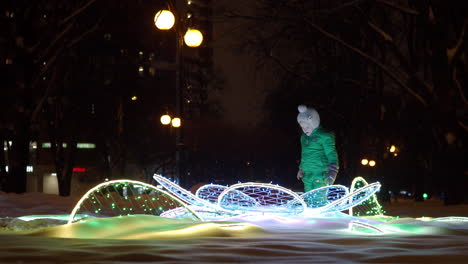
[(127, 197)]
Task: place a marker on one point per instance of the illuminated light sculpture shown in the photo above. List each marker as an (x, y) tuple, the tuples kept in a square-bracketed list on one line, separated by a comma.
[(261, 197), (370, 207), (210, 192), (324, 195), (352, 199), (182, 193), (126, 197), (205, 209)]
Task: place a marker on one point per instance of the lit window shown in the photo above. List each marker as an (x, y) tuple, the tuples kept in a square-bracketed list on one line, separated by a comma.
[(152, 71), (86, 145), (33, 145), (48, 145), (29, 168)]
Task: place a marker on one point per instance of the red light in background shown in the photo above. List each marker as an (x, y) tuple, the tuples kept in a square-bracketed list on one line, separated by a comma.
[(79, 169)]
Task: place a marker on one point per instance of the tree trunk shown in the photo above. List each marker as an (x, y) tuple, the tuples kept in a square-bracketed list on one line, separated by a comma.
[(64, 163), (16, 179)]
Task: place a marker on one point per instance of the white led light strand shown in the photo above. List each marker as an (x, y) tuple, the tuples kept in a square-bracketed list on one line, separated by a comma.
[(263, 197), (183, 194), (210, 192)]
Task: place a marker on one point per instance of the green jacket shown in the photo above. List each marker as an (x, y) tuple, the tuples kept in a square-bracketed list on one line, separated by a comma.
[(318, 151)]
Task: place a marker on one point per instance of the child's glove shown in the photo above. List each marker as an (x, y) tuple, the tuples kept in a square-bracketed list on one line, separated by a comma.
[(300, 174), (332, 172)]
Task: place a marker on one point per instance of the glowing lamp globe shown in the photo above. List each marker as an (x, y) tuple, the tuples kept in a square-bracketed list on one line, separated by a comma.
[(392, 148), (164, 19), (176, 122), (371, 163), (165, 119), (364, 162), (193, 38)]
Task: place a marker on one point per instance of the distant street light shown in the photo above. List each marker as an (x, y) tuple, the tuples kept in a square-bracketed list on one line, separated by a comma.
[(164, 20), (165, 119), (392, 148), (193, 38), (364, 162), (176, 122), (371, 163)]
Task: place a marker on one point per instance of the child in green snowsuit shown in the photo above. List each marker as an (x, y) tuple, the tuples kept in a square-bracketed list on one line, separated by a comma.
[(319, 160)]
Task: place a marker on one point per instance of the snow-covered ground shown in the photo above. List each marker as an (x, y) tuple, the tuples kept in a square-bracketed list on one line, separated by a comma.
[(138, 239)]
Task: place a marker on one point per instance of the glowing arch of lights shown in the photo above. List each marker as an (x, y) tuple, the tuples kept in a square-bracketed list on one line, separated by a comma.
[(352, 199), (372, 206), (261, 197), (126, 197), (210, 192)]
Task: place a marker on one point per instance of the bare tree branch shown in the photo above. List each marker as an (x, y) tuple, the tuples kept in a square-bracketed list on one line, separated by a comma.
[(454, 52), (381, 32), (459, 87), (44, 97), (403, 9), (80, 37), (401, 57), (54, 41), (370, 58), (286, 68), (77, 12)]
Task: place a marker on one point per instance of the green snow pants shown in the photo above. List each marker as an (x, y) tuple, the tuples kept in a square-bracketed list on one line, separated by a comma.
[(313, 181)]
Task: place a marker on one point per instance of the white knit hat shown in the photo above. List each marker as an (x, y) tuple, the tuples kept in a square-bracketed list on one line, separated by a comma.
[(308, 115)]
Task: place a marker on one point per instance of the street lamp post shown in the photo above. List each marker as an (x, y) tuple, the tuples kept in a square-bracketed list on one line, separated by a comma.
[(165, 20)]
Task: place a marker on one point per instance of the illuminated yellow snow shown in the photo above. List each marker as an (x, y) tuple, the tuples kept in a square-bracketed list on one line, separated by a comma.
[(148, 227)]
